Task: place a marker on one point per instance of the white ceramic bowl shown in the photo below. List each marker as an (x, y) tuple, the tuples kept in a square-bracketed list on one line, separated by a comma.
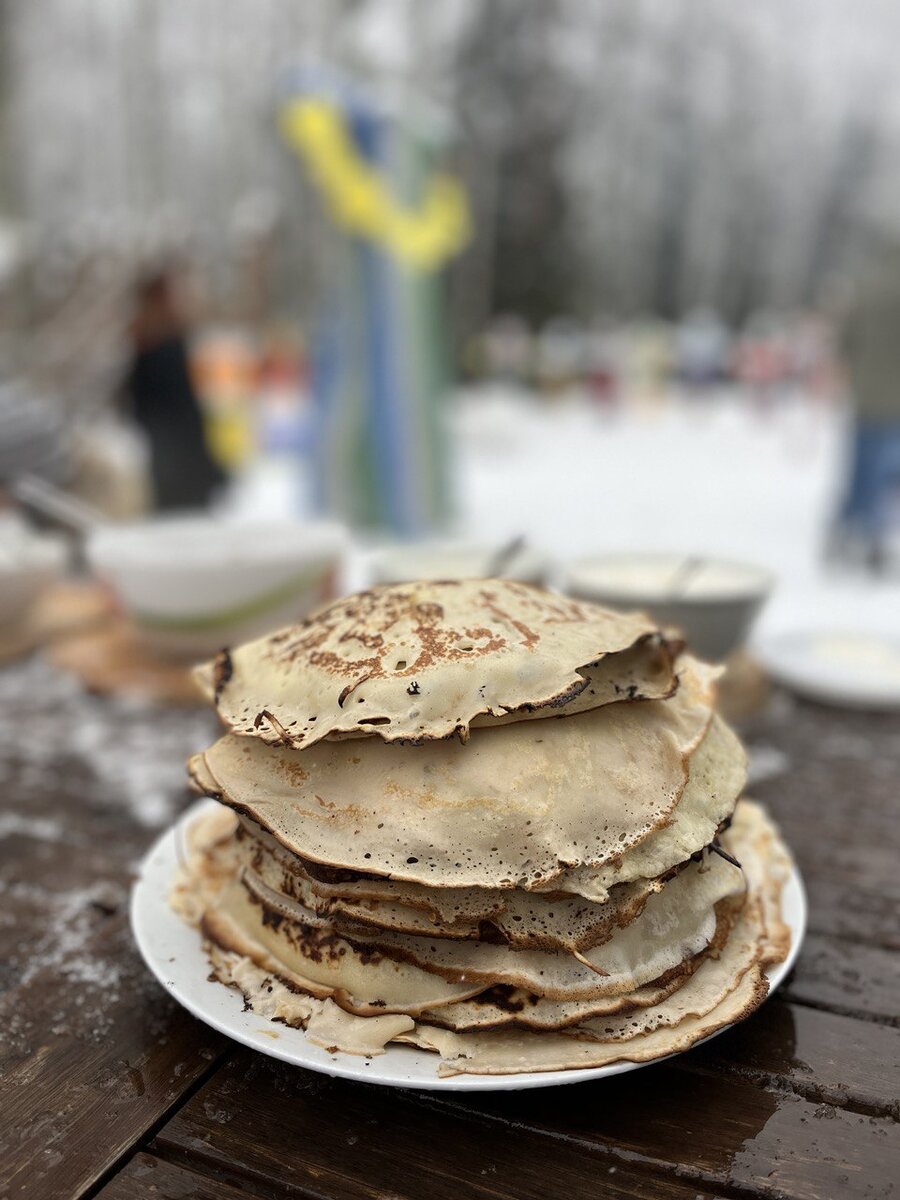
[(29, 563), (714, 601), (452, 560), (194, 584)]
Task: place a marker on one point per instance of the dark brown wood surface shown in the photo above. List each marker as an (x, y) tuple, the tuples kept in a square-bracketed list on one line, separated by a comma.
[(108, 1089)]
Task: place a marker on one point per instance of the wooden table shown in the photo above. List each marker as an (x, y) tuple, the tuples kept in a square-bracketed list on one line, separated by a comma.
[(109, 1089)]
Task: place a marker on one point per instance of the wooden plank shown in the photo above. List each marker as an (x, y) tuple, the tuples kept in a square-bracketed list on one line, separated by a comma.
[(793, 1103), (846, 976), (90, 1063), (842, 855), (722, 1132), (852, 882), (832, 803), (840, 774), (148, 1178), (93, 1053), (820, 819), (819, 1055), (844, 908), (821, 816), (261, 1124)]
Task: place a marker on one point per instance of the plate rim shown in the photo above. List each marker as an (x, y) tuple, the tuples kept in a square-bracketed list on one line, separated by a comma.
[(770, 652), (149, 914)]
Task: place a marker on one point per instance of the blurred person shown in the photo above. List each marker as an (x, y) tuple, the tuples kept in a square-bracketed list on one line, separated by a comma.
[(283, 400), (822, 368), (509, 350), (651, 359), (110, 468), (225, 366), (560, 356), (602, 367), (162, 397), (702, 346), (761, 360), (870, 341)]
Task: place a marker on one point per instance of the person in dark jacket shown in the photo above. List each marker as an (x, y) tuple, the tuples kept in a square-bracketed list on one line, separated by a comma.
[(163, 399), (871, 347)]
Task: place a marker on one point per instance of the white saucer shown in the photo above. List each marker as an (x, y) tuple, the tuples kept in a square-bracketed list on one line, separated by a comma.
[(847, 669), (173, 952)]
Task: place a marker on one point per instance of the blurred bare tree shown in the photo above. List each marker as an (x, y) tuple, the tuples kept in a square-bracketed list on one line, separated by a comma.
[(516, 103), (628, 155)]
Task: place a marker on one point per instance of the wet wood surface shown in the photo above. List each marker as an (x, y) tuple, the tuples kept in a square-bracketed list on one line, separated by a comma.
[(108, 1089)]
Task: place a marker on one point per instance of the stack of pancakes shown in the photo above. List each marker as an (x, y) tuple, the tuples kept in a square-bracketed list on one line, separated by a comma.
[(485, 820)]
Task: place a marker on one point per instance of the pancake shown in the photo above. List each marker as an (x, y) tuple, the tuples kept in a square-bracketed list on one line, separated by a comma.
[(674, 925), (208, 893), (724, 989), (518, 918), (512, 1052), (570, 881), (718, 772), (497, 1007), (525, 920), (723, 986), (500, 1006), (767, 863), (515, 807), (423, 661), (521, 918)]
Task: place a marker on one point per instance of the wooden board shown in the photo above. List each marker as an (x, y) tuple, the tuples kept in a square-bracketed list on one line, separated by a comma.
[(112, 660), (715, 1129), (67, 608), (107, 1089)]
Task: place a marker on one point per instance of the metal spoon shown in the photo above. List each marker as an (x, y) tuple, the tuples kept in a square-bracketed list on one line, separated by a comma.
[(682, 576), (60, 506), (502, 557)]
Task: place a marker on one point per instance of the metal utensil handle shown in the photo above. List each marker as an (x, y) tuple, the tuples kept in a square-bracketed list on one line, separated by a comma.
[(506, 554), (51, 501)]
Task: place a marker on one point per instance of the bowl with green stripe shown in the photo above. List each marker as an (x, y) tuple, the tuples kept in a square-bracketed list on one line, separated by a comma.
[(193, 584)]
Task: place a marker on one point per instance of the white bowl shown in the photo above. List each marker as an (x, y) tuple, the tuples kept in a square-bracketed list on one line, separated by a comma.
[(714, 603), (192, 585), (29, 563), (452, 560)]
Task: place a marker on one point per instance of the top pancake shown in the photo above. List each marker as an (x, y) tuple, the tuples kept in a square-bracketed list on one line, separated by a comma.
[(423, 661)]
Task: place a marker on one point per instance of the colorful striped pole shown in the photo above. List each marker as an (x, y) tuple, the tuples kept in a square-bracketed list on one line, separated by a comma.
[(381, 364)]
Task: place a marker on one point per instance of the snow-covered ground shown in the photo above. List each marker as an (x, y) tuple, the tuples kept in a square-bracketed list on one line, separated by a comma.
[(716, 477), (712, 478)]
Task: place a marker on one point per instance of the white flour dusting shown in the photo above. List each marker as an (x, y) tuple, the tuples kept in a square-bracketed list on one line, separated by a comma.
[(45, 829), (134, 751), (84, 782), (71, 919)]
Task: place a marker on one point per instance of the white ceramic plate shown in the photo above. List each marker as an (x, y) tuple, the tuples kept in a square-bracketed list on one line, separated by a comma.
[(173, 952), (851, 670)]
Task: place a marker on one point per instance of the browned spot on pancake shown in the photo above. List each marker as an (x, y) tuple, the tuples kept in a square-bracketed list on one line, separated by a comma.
[(223, 669), (295, 773)]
